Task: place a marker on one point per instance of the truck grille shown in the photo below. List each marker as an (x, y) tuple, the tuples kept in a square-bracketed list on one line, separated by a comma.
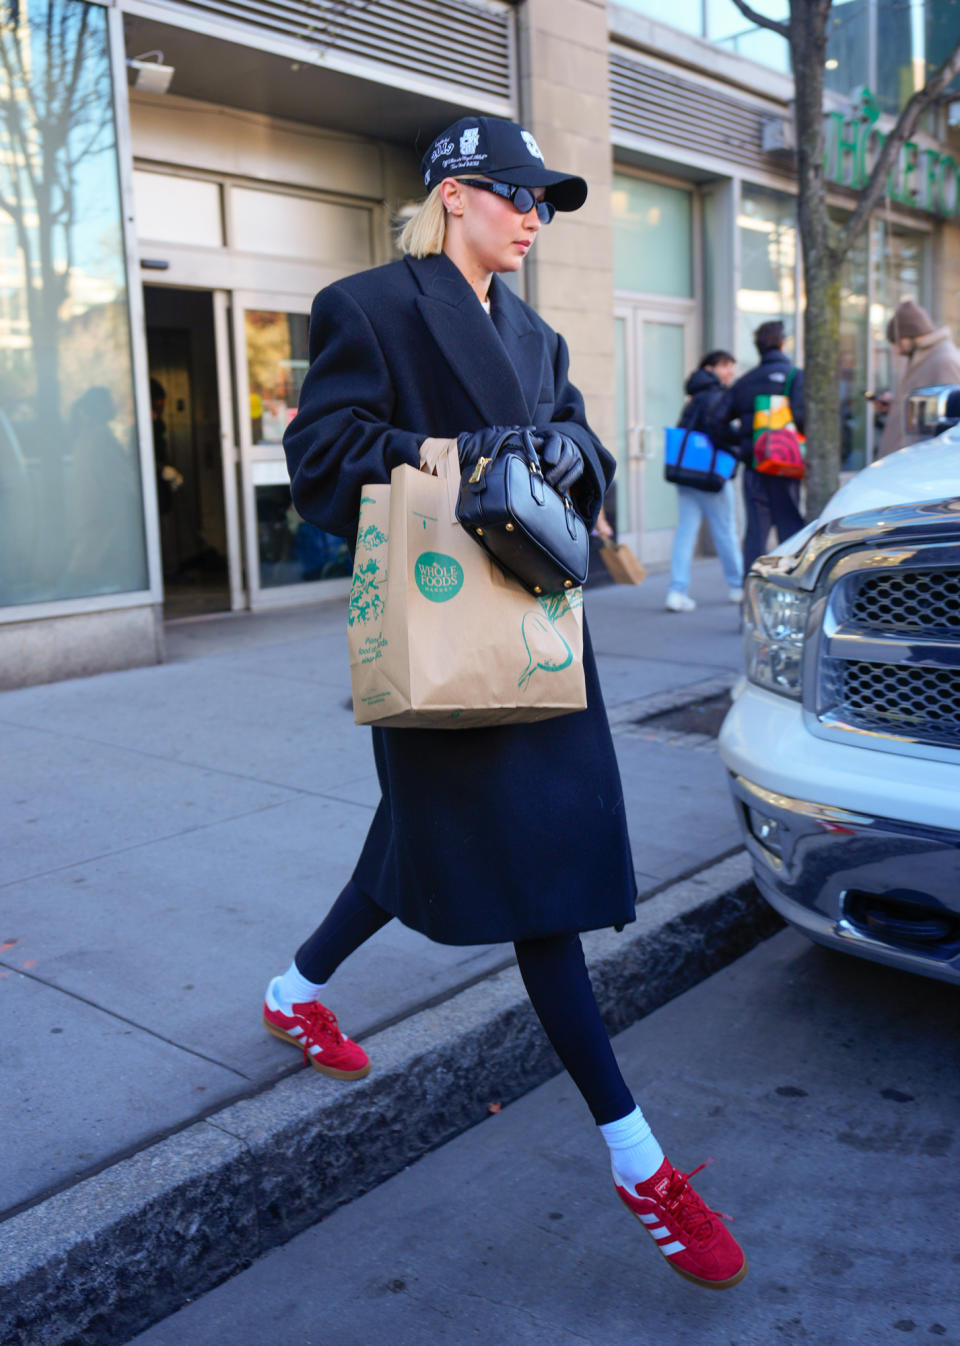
[(896, 698), (889, 654), (909, 600)]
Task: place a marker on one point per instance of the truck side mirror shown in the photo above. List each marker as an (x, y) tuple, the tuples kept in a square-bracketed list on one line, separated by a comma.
[(932, 410)]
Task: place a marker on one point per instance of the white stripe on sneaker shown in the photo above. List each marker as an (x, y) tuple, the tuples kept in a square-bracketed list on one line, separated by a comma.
[(669, 1249), (661, 1233), (649, 1219)]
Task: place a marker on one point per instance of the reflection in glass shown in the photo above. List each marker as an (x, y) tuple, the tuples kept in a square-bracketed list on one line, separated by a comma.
[(617, 509), (848, 46), (727, 27), (70, 493), (664, 377), (686, 15), (854, 409), (277, 361), (899, 272), (652, 237), (768, 258), (291, 550)]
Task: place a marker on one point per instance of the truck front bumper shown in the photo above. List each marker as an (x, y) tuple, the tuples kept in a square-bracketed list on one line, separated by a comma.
[(884, 889)]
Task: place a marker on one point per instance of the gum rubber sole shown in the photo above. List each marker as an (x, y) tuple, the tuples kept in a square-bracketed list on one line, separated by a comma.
[(698, 1280), (324, 1070)]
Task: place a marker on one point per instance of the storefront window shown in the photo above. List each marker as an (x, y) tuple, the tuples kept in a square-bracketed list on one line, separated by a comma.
[(899, 272), (768, 266), (652, 237), (71, 518)]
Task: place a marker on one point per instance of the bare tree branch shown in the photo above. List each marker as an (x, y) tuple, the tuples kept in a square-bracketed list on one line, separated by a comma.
[(762, 21), (905, 124)]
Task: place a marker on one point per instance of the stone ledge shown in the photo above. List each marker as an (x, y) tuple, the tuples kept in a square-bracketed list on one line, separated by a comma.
[(98, 1263)]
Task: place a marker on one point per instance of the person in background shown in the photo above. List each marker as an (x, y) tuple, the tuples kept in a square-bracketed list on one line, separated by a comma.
[(770, 502), (705, 387), (932, 358)]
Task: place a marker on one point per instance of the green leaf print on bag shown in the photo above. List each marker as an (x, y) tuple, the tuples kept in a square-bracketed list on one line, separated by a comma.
[(370, 538), (366, 601)]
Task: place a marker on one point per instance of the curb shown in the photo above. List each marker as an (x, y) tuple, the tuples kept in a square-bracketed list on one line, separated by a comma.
[(98, 1263)]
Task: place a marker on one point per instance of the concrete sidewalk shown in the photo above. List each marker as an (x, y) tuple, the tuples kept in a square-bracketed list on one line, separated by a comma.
[(172, 834)]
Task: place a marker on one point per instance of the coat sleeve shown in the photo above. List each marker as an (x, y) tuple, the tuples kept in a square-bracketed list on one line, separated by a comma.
[(723, 422), (570, 418), (341, 437)]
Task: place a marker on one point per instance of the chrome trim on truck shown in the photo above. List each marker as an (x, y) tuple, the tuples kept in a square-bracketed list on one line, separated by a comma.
[(833, 873)]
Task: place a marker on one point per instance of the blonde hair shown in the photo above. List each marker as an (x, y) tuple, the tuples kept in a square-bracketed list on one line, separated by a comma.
[(424, 232)]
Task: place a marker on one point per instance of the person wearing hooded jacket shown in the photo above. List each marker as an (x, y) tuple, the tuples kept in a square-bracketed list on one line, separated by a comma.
[(704, 388), (932, 359), (769, 501), (512, 833)]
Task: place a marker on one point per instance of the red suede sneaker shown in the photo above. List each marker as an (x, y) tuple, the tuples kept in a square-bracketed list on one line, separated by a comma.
[(692, 1238), (313, 1028)]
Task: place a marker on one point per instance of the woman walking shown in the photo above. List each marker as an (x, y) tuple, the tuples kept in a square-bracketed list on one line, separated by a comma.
[(704, 389), (515, 833)]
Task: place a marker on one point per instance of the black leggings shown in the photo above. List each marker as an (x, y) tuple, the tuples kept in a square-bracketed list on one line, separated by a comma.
[(554, 973)]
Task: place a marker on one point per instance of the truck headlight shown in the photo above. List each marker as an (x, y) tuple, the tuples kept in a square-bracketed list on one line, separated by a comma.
[(774, 625)]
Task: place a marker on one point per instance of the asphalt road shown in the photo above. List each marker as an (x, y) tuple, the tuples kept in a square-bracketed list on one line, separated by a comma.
[(827, 1089)]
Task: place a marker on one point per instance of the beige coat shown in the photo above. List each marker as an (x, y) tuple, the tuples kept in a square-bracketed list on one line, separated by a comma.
[(935, 359)]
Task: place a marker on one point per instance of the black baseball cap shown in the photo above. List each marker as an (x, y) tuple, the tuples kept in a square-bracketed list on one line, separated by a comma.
[(494, 148)]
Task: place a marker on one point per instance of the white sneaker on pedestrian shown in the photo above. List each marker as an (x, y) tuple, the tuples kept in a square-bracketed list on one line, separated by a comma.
[(677, 602), (735, 595)]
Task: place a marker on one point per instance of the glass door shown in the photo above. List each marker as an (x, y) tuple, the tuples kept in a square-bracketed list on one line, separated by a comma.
[(654, 356), (287, 559)]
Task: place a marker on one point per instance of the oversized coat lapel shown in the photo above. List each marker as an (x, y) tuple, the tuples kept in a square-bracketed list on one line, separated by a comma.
[(469, 341), (524, 344)]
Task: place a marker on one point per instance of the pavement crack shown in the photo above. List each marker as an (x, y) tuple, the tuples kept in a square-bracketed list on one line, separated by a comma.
[(124, 1019), (147, 841)]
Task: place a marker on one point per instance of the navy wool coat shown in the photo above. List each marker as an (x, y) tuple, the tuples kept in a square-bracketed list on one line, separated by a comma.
[(482, 835)]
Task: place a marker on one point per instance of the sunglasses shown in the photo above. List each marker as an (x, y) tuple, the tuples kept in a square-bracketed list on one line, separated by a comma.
[(521, 198)]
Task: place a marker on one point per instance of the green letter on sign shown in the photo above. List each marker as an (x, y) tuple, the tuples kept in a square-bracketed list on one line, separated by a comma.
[(438, 577)]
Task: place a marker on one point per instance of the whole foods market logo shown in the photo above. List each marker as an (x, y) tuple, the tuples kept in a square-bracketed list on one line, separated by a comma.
[(438, 577)]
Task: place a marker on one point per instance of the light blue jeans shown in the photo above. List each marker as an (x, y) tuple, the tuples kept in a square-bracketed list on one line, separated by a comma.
[(719, 510)]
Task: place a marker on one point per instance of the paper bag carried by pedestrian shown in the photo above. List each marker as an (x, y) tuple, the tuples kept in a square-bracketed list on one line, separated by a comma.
[(439, 636), (623, 565)]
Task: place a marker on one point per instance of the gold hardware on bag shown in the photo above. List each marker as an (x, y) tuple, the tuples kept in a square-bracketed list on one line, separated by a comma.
[(479, 532), (478, 471), (509, 527), (568, 584), (537, 589)]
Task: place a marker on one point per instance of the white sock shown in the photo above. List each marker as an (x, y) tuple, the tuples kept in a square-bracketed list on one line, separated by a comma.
[(635, 1154), (294, 989)]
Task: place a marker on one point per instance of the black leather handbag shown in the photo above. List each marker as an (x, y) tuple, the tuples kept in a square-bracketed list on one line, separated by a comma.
[(528, 528)]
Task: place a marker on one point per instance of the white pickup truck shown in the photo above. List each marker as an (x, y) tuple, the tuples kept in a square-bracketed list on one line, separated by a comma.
[(843, 741)]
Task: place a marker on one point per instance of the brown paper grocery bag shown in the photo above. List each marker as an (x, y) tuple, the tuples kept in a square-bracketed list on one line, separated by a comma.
[(437, 639), (622, 564)]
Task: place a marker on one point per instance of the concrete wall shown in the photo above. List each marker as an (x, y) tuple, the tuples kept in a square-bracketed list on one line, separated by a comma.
[(564, 101), (53, 648)]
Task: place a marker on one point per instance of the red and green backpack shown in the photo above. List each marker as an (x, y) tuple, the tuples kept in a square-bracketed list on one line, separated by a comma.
[(779, 449)]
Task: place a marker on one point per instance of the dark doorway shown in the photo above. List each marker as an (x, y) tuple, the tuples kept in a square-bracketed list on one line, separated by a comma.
[(186, 429)]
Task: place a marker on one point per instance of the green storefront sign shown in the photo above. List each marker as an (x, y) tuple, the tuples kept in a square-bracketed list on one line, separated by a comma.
[(923, 178)]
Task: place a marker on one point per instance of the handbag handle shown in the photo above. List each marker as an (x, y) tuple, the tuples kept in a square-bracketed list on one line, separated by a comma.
[(520, 441)]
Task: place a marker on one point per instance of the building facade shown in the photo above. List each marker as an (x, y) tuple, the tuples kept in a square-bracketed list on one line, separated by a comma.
[(177, 179)]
